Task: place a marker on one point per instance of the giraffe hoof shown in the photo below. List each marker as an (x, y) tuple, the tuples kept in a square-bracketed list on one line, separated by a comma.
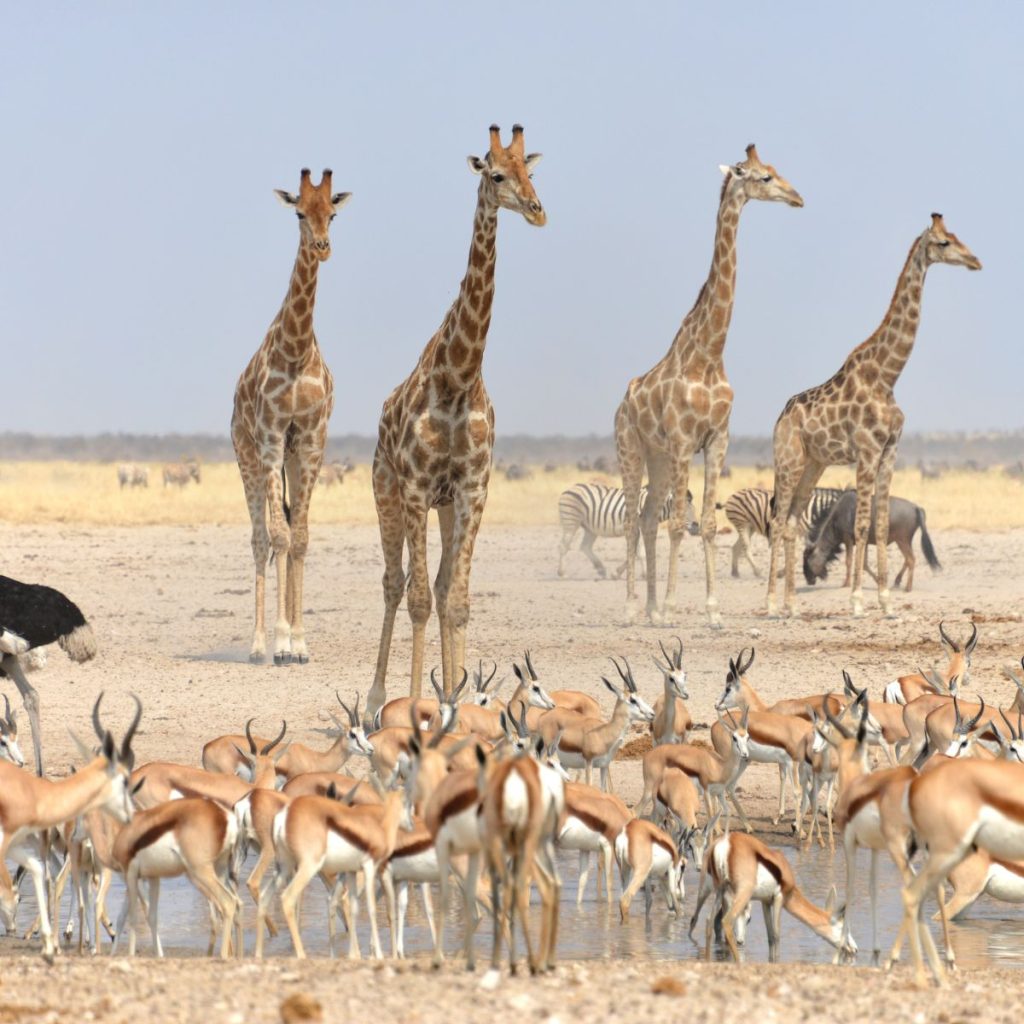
[(282, 658), (257, 658), (301, 659)]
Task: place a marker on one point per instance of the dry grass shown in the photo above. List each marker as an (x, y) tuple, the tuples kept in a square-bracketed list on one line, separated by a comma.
[(88, 493)]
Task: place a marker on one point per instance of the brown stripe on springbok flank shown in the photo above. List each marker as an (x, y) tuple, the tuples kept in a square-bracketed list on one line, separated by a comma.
[(1005, 804), (1015, 867), (150, 835), (458, 803), (772, 868), (592, 822), (412, 848), (856, 806), (338, 827)]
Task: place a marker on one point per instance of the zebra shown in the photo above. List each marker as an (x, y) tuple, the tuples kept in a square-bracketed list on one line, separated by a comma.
[(130, 475), (600, 511), (749, 512)]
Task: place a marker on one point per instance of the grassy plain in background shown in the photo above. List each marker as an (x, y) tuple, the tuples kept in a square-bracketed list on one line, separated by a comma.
[(88, 493)]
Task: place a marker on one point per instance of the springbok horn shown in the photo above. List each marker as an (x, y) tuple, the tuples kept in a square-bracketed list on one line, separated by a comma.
[(126, 744), (437, 688), (1013, 735), (355, 714), (974, 721), (273, 743), (96, 718), (679, 653), (958, 728), (746, 665), (248, 735), (630, 681), (948, 639), (969, 646), (460, 687), (494, 672), (836, 724), (622, 674), (529, 667), (668, 658), (8, 713)]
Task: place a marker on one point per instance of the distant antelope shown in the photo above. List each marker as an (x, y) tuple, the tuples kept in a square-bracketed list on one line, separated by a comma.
[(334, 473), (181, 472), (130, 475)]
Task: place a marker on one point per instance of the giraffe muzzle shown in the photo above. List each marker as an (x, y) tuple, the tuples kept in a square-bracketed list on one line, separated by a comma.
[(536, 214)]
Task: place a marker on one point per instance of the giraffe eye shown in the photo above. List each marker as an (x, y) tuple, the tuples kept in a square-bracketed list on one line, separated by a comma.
[(301, 216), (767, 178), (333, 215), (944, 244), (497, 178)]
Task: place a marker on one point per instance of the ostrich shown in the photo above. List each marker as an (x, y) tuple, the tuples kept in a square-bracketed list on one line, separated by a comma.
[(32, 616)]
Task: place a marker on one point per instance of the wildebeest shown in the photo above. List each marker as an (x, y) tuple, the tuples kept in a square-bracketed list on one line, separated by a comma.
[(180, 473), (836, 530), (130, 475)]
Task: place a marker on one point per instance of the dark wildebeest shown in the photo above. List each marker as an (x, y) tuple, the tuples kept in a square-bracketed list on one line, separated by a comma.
[(836, 530)]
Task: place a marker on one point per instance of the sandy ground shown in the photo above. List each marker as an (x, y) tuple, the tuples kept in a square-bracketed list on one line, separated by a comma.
[(171, 607)]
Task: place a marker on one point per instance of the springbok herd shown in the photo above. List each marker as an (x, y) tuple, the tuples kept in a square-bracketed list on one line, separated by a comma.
[(468, 788)]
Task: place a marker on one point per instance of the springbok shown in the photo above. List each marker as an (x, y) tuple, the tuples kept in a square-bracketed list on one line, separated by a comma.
[(739, 868), (30, 805), (9, 749), (193, 836), (909, 687), (646, 852), (672, 721), (715, 774), (593, 742), (593, 820)]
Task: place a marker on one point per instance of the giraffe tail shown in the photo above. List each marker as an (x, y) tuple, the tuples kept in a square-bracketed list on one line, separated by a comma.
[(285, 505)]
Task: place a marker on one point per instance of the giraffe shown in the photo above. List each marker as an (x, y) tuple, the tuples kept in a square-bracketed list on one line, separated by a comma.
[(682, 405), (437, 434), (283, 401), (853, 419)]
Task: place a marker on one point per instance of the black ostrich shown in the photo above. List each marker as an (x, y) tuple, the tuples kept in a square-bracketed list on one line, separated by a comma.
[(32, 615)]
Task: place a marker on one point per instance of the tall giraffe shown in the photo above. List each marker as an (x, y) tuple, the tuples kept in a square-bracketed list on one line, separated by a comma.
[(283, 401), (682, 405), (853, 419), (437, 434)]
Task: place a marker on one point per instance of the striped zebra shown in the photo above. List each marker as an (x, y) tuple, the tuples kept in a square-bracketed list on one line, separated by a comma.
[(749, 512), (600, 511)]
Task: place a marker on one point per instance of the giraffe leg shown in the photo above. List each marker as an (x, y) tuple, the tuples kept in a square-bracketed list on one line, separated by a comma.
[(714, 459), (679, 483), (658, 486), (392, 541), (418, 597), (801, 495), (784, 487), (303, 468), (867, 470), (631, 466), (256, 501), (446, 520), (883, 482), (272, 459), (469, 509)]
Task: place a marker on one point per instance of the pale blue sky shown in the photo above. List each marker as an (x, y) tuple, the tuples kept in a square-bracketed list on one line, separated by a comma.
[(144, 253)]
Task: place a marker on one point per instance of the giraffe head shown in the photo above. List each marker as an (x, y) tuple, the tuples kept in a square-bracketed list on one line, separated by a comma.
[(505, 175), (315, 206), (942, 246), (756, 180)]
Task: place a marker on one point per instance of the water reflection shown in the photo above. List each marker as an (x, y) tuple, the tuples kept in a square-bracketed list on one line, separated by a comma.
[(992, 933)]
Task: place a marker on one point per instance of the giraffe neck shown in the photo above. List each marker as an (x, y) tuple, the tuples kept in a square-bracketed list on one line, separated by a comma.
[(294, 324), (464, 332), (890, 346), (703, 332)]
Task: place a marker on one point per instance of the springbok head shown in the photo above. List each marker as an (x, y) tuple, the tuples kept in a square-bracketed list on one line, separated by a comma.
[(484, 694), (448, 707), (739, 735), (959, 654), (530, 689), (356, 741), (672, 668), (733, 693), (9, 748), (965, 731), (639, 709)]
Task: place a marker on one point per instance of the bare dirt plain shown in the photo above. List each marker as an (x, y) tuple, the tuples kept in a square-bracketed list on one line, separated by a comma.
[(171, 607)]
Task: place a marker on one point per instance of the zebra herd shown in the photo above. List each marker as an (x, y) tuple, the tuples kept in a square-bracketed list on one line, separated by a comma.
[(600, 511)]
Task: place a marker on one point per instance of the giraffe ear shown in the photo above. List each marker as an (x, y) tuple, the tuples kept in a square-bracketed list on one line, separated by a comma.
[(476, 165), (725, 169), (339, 199), (532, 159), (286, 197)]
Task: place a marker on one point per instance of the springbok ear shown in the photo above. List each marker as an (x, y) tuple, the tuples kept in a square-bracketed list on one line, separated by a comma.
[(280, 753), (611, 686), (476, 165), (481, 757), (532, 159), (246, 758), (287, 199), (538, 747), (138, 785), (339, 199), (831, 900), (83, 750)]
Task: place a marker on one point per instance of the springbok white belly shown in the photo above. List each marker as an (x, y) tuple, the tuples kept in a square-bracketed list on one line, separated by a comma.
[(161, 859), (765, 754), (418, 867), (999, 834), (575, 835), (461, 832)]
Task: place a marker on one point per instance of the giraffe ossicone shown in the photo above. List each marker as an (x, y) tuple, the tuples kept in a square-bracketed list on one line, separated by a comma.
[(283, 401), (436, 437), (853, 419), (682, 405)]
